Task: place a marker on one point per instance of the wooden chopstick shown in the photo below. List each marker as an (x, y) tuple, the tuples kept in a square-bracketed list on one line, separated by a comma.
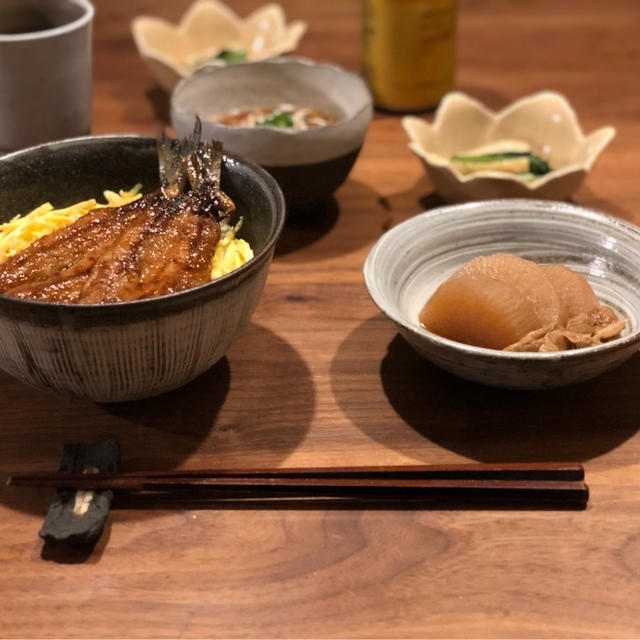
[(530, 482), (470, 471), (512, 490)]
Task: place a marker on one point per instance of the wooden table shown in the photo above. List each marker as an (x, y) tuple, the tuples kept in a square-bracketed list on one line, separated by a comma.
[(320, 377)]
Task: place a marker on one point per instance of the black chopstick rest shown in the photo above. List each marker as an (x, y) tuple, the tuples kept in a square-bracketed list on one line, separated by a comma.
[(78, 517)]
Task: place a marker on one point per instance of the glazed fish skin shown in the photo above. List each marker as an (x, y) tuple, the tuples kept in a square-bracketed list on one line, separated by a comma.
[(165, 247), (170, 251), (76, 244), (161, 243)]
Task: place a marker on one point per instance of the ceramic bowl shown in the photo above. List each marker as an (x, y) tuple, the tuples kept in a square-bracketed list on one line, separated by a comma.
[(209, 27), (410, 261), (128, 350), (546, 121), (309, 165)]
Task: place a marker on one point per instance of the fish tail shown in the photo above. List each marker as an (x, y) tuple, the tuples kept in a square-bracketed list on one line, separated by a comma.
[(198, 162), (173, 175), (203, 160)]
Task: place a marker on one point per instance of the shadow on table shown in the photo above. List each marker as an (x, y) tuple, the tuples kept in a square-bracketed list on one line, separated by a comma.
[(405, 204), (501, 425), (307, 227), (427, 199), (160, 102), (354, 218), (230, 415), (481, 423)]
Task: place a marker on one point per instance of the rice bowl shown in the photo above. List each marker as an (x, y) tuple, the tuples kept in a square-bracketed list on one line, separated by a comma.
[(128, 350)]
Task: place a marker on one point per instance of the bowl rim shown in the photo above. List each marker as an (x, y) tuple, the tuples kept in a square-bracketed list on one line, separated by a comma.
[(85, 18), (541, 207), (222, 283), (293, 61)]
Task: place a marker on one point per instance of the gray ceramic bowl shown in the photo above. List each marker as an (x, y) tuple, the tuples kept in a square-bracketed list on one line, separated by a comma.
[(128, 350), (408, 263), (309, 165)]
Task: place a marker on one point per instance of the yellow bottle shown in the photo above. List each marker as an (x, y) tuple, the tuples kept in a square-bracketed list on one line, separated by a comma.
[(408, 51)]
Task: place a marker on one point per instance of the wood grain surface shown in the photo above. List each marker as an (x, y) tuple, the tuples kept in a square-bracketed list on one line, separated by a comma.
[(320, 378)]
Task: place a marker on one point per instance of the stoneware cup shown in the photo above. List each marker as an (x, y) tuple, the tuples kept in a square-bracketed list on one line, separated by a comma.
[(45, 71)]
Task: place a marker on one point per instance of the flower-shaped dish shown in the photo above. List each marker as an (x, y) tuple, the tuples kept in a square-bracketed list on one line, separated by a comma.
[(410, 261), (207, 29), (545, 120)]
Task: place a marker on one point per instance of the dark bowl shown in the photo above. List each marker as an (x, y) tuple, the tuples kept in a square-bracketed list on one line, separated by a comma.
[(309, 165), (128, 350)]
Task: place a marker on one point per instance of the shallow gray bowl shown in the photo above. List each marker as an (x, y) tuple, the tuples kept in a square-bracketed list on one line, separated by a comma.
[(128, 350), (308, 165), (408, 263)]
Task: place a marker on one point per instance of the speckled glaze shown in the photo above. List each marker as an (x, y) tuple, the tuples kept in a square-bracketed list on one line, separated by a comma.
[(309, 165), (408, 263), (129, 350)]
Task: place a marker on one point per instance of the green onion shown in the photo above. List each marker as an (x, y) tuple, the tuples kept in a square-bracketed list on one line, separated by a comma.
[(277, 119), (232, 55)]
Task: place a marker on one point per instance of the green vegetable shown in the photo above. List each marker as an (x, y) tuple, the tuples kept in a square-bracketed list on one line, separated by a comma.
[(537, 166), (277, 119), (232, 55), (228, 56)]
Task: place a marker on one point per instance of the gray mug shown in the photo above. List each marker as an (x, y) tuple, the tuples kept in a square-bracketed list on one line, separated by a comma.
[(45, 71)]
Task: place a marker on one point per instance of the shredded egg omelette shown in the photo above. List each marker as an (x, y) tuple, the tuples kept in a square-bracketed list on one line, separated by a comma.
[(15, 235)]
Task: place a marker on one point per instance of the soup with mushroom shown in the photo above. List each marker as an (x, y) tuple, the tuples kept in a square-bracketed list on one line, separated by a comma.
[(284, 116)]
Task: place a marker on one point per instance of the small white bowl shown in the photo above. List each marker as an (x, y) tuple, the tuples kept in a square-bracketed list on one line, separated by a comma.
[(410, 261), (208, 27), (545, 120)]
